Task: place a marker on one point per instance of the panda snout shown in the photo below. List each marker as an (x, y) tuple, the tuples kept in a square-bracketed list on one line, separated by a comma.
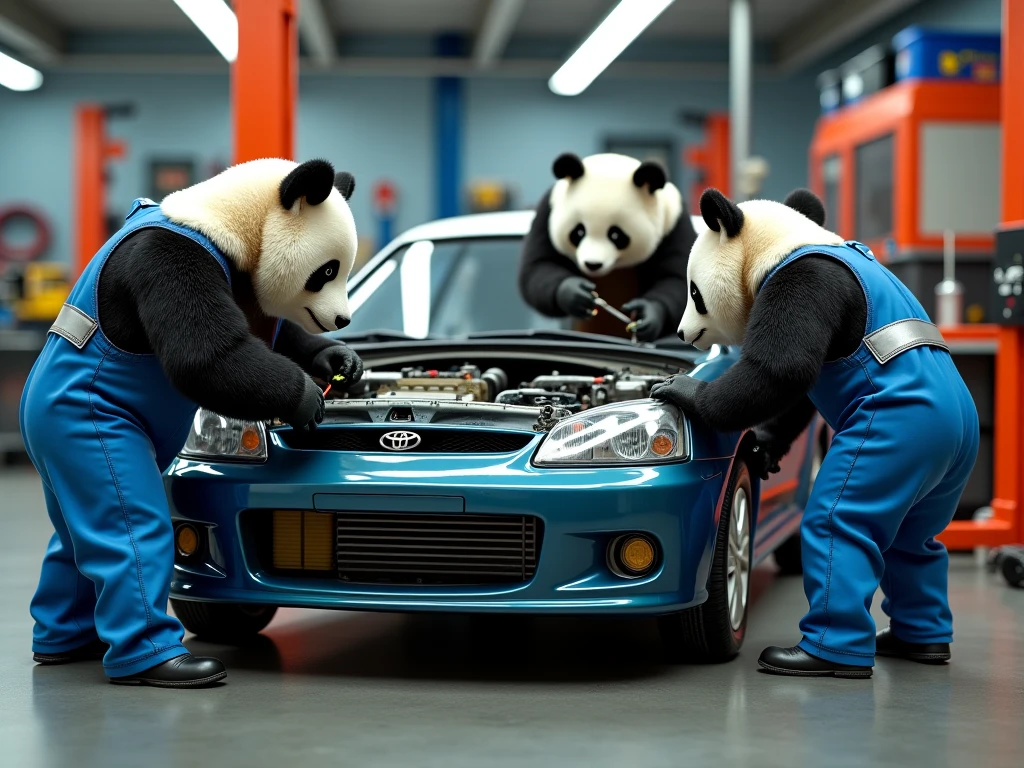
[(340, 322), (593, 266)]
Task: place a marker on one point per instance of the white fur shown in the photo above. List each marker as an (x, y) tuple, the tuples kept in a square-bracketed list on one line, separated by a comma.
[(603, 197), (240, 211), (728, 270)]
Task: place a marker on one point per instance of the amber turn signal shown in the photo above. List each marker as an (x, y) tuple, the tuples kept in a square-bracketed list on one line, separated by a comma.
[(250, 439)]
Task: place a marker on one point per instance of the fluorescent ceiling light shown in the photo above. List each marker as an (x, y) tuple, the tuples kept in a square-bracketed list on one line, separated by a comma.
[(216, 21), (18, 76), (620, 28)]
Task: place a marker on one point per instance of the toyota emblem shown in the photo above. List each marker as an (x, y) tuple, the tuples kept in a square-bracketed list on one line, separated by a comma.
[(400, 441)]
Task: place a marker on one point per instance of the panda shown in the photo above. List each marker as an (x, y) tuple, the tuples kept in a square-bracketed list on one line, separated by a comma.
[(614, 226), (824, 326), (215, 298)]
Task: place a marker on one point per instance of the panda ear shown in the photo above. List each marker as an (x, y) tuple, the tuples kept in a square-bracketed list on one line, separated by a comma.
[(568, 166), (313, 180), (720, 213), (345, 183), (807, 203), (650, 174)]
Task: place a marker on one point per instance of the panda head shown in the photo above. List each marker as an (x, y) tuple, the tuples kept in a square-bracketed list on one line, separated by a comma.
[(610, 211), (729, 260), (288, 226)]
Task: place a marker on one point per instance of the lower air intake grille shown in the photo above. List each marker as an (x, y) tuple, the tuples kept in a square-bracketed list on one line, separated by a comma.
[(437, 550)]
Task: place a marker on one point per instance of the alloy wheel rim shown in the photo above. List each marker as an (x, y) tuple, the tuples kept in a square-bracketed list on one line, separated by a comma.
[(738, 563)]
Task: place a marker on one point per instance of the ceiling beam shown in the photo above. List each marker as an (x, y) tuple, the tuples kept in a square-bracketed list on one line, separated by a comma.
[(27, 31), (498, 25), (317, 33), (831, 25), (365, 66)]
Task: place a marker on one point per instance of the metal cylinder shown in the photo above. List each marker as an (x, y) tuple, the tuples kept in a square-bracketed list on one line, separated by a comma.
[(949, 303), (741, 54)]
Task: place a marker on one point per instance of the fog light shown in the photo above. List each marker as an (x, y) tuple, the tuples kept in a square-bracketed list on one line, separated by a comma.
[(632, 556), (187, 540)]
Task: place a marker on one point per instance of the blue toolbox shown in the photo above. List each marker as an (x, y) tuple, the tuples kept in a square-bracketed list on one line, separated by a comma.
[(946, 55)]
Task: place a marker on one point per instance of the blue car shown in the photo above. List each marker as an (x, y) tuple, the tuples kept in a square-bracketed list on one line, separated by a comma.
[(480, 469)]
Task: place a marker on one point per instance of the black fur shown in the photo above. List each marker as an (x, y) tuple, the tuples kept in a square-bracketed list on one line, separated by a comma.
[(662, 278), (651, 174), (807, 203), (719, 211), (313, 180), (810, 312), (345, 183), (162, 293), (568, 166)]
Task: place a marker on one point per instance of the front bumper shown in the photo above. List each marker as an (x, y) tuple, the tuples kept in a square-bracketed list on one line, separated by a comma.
[(581, 510)]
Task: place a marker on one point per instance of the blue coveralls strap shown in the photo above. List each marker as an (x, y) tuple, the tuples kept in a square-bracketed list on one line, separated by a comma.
[(100, 424), (906, 439)]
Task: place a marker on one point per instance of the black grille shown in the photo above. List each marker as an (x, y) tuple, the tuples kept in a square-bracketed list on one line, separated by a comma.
[(367, 440), (385, 548)]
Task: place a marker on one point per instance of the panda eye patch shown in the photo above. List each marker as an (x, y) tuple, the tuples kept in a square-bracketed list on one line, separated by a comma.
[(577, 235), (698, 300), (619, 238), (323, 276)]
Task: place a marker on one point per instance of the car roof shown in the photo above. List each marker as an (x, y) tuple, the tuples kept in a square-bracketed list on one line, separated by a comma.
[(500, 224)]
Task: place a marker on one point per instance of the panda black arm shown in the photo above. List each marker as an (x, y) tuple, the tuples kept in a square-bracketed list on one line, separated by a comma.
[(299, 346), (201, 337), (778, 433), (541, 268), (318, 355), (810, 311), (662, 277)]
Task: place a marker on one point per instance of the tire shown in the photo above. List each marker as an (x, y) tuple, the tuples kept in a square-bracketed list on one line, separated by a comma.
[(713, 631), (229, 623), (1012, 565), (788, 554)]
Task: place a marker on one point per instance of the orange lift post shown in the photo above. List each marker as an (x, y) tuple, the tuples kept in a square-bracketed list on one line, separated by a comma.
[(265, 79), (92, 151), (710, 159)]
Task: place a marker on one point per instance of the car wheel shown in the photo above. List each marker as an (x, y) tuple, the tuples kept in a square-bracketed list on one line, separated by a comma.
[(714, 630), (230, 623), (788, 555)]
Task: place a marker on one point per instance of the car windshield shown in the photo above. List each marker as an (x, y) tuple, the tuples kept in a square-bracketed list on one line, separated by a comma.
[(446, 288)]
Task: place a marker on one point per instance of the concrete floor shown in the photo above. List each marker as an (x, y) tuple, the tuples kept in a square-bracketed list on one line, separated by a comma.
[(380, 690)]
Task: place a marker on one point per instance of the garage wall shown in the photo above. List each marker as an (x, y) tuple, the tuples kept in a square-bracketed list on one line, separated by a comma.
[(376, 128)]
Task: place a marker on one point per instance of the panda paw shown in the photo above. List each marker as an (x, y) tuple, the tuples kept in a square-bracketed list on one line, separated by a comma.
[(762, 462), (310, 411), (649, 318), (337, 364), (575, 297), (680, 390)]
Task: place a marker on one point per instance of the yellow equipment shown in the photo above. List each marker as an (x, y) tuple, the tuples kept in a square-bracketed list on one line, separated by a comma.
[(44, 287)]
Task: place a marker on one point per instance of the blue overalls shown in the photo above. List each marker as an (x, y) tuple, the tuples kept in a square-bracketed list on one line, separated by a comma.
[(906, 438), (101, 424)]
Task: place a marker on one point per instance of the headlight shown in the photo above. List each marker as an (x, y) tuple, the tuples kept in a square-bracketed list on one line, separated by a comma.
[(217, 437), (641, 432)]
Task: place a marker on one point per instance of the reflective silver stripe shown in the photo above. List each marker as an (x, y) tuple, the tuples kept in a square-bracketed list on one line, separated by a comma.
[(74, 325), (894, 338)]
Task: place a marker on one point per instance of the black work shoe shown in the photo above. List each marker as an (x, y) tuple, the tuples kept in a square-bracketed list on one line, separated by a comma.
[(798, 663), (887, 644), (186, 671), (93, 651)]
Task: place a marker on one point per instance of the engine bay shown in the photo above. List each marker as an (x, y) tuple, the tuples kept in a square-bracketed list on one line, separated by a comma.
[(467, 383)]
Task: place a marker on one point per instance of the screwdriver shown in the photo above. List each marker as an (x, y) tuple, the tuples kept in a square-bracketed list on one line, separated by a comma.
[(630, 323)]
